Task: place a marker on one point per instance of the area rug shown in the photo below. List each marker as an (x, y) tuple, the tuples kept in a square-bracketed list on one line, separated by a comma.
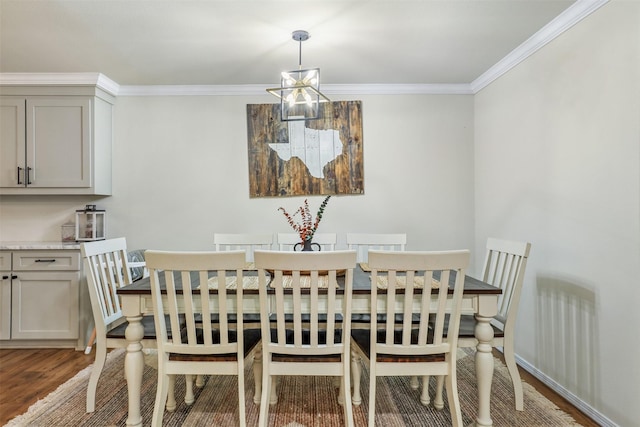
[(303, 402)]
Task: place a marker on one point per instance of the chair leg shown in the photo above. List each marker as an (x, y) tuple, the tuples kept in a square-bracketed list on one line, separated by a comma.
[(257, 375), (345, 384), (438, 403), (263, 419), (171, 394), (161, 397), (241, 403), (510, 360), (340, 392), (200, 381), (189, 398), (414, 383), (425, 399), (356, 371), (98, 365), (273, 394), (454, 401), (372, 397)]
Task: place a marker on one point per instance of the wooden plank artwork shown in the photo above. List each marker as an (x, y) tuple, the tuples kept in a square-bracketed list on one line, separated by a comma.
[(306, 157)]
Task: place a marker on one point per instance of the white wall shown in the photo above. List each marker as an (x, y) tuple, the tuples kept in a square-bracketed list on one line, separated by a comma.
[(180, 174), (557, 163)]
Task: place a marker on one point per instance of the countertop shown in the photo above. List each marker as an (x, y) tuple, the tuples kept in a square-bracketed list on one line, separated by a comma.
[(38, 245)]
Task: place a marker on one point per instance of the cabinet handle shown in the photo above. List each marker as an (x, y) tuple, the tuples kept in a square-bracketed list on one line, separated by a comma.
[(45, 260), (5, 277), (28, 176), (13, 276), (19, 170)]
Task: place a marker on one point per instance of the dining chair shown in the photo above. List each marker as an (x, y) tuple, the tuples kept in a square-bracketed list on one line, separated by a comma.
[(362, 242), (417, 287), (287, 241), (504, 267), (305, 329), (107, 269), (247, 241), (199, 284), (138, 270)]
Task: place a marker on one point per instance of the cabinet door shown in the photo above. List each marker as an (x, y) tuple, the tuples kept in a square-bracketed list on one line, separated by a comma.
[(12, 141), (5, 305), (5, 295), (58, 141), (45, 305)]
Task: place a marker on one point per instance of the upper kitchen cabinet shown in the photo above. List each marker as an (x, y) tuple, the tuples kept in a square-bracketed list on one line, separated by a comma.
[(55, 140)]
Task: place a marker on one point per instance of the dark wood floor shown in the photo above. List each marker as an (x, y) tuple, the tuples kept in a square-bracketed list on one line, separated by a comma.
[(29, 375)]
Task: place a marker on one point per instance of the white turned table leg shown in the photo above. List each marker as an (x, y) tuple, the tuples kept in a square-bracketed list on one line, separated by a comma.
[(484, 369), (133, 366)]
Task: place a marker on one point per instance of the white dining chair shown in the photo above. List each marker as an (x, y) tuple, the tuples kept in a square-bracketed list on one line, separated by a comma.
[(245, 241), (362, 242), (504, 267), (415, 342), (107, 269), (304, 330), (198, 287), (287, 241)]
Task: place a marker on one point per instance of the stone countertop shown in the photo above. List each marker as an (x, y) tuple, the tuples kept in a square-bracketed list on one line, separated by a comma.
[(38, 245)]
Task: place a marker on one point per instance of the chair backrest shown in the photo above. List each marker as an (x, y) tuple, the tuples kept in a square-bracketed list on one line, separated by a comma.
[(327, 241), (417, 293), (107, 269), (185, 276), (504, 267), (137, 264), (246, 241), (362, 242), (305, 289)]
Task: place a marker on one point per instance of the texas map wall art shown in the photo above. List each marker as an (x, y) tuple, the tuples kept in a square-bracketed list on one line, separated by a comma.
[(306, 157)]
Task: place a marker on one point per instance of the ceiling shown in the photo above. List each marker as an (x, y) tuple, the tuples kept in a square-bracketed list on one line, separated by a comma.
[(242, 42)]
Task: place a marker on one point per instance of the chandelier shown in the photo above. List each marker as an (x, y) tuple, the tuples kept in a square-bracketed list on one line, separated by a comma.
[(299, 90)]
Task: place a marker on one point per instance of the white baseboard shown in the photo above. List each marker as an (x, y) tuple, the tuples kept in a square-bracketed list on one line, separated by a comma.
[(587, 409)]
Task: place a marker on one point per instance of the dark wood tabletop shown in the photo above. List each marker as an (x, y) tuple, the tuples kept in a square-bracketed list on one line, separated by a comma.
[(361, 285)]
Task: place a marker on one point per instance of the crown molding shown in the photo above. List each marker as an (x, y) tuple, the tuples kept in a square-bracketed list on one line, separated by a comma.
[(398, 89), (567, 19), (192, 90), (60, 79), (337, 89)]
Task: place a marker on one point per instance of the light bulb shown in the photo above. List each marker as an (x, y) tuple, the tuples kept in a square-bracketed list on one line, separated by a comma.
[(307, 98)]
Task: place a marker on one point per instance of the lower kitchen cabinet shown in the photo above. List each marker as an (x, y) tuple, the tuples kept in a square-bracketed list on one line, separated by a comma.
[(45, 305), (40, 298)]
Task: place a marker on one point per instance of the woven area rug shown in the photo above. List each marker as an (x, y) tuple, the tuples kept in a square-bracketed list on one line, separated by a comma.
[(303, 402)]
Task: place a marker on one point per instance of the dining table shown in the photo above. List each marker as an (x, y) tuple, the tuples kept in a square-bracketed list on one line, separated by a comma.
[(479, 299)]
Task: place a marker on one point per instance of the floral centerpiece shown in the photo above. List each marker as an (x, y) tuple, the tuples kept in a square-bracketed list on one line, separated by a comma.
[(307, 227)]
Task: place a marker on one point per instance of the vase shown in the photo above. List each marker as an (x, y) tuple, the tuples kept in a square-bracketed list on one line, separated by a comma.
[(306, 246)]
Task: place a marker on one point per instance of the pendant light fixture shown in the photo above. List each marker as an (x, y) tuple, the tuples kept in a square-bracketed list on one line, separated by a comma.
[(299, 90)]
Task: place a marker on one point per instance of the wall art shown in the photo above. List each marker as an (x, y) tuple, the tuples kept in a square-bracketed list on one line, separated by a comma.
[(307, 157)]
